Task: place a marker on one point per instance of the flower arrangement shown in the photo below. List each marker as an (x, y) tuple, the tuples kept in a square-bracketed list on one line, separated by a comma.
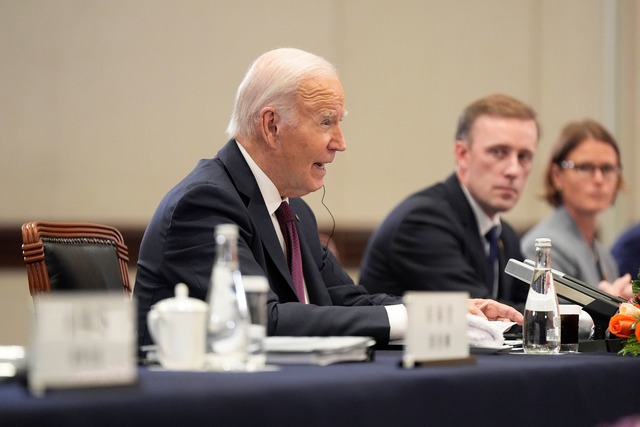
[(624, 324)]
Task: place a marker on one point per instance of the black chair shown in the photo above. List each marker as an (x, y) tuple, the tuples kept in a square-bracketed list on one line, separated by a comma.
[(74, 256)]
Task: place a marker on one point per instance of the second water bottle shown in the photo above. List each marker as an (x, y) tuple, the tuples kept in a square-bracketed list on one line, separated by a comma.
[(541, 330)]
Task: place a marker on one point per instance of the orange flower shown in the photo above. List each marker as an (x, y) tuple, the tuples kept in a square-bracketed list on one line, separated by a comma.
[(621, 324), (638, 334)]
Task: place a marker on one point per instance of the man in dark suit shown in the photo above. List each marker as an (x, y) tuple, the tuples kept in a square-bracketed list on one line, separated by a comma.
[(435, 239), (285, 129)]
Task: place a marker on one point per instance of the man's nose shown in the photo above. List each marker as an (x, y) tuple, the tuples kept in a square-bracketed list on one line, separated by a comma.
[(514, 166), (338, 142)]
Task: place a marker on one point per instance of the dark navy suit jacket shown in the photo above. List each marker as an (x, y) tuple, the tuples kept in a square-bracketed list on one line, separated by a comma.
[(626, 252), (430, 241), (178, 246)]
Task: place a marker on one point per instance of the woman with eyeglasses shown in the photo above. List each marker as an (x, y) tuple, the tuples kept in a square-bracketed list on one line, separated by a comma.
[(582, 180)]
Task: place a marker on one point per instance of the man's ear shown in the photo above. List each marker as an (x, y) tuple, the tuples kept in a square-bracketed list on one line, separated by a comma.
[(460, 151), (269, 125)]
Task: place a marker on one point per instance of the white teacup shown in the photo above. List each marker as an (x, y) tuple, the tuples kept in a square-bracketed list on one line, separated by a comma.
[(178, 326)]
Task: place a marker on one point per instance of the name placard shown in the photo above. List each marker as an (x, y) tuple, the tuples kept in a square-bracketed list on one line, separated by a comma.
[(437, 328), (82, 340)]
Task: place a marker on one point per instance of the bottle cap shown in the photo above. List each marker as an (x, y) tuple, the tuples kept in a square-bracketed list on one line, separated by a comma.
[(227, 229), (543, 242)]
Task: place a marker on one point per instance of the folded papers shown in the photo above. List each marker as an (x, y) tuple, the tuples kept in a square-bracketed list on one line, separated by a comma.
[(485, 333), (317, 350)]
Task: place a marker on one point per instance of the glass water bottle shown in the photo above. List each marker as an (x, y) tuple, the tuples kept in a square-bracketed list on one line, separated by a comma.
[(541, 331), (227, 323)]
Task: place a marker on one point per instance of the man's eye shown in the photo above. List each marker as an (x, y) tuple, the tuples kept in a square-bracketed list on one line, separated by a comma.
[(498, 152), (326, 121), (525, 157)]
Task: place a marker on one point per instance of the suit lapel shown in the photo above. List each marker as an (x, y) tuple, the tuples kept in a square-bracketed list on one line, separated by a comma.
[(314, 282), (245, 183), (469, 223), (270, 241)]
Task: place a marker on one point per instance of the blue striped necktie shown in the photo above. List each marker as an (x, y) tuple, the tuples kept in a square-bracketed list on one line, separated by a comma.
[(492, 260)]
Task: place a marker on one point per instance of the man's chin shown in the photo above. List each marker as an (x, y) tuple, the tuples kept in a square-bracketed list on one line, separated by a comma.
[(504, 206), (312, 188), (317, 184)]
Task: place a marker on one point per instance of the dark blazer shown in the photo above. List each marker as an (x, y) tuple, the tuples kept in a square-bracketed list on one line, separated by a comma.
[(431, 241), (626, 251), (178, 246)]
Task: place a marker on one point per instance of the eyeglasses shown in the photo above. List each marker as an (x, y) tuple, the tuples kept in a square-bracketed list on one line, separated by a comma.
[(588, 170)]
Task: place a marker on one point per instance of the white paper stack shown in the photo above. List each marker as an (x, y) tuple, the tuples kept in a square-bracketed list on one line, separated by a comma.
[(317, 350)]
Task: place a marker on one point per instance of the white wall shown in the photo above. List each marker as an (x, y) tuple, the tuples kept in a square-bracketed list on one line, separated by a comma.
[(104, 105)]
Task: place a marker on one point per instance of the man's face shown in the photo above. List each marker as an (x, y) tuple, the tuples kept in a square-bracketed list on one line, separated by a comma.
[(496, 161), (303, 150)]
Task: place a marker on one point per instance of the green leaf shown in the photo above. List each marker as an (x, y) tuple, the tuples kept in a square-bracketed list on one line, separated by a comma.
[(635, 287), (630, 347)]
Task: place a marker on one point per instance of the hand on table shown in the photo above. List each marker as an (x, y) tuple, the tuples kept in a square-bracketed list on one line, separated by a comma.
[(493, 310), (621, 287)]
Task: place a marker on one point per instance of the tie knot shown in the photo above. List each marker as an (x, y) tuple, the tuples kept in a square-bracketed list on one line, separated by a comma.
[(492, 234), (284, 213)]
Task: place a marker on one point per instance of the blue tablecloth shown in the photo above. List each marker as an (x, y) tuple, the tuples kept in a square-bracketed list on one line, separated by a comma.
[(498, 390)]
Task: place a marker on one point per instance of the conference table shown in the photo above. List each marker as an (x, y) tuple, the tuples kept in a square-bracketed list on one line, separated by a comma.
[(582, 389)]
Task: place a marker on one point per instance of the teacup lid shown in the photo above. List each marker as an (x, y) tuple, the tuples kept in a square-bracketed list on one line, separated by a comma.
[(181, 302)]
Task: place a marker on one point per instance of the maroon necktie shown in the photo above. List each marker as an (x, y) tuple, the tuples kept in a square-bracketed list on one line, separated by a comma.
[(288, 226)]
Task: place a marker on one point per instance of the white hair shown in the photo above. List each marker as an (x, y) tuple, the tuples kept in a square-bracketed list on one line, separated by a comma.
[(273, 79)]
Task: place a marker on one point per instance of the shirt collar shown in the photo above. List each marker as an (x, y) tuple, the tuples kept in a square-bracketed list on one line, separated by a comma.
[(484, 222), (268, 189)]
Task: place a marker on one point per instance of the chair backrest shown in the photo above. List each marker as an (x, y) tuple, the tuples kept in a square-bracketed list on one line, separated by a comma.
[(74, 255)]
